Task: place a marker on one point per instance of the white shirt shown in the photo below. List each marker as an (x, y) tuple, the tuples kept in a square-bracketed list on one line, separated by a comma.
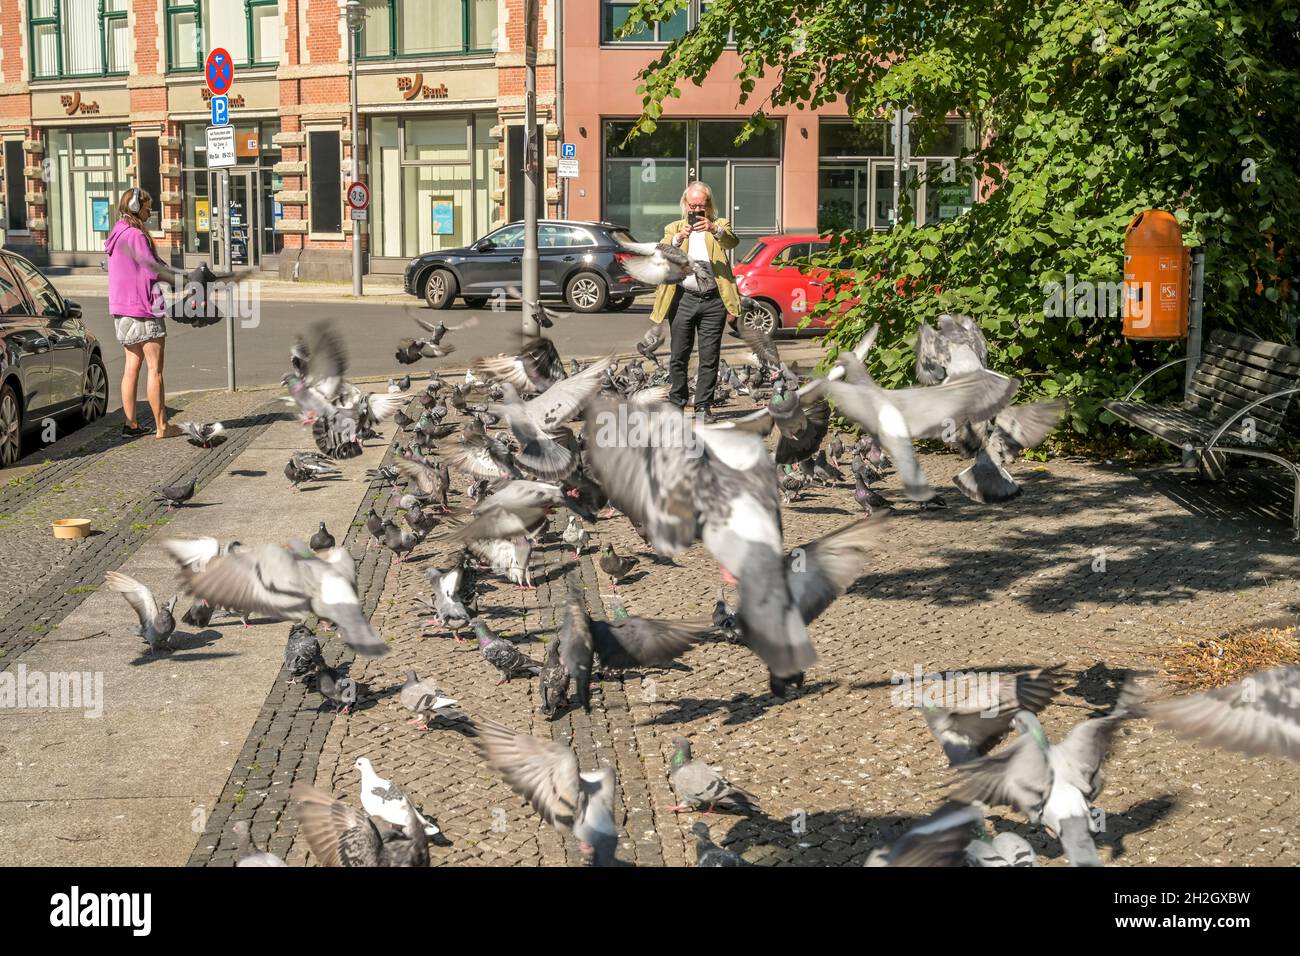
[(697, 248)]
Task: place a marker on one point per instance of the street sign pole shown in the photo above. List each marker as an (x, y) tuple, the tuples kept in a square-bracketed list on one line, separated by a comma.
[(224, 189), (219, 70), (532, 161), (355, 21)]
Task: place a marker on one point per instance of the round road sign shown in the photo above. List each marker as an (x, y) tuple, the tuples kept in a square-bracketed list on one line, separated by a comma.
[(358, 195), (220, 72)]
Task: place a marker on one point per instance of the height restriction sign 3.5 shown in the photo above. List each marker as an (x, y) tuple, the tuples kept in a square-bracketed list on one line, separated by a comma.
[(358, 195), (220, 72)]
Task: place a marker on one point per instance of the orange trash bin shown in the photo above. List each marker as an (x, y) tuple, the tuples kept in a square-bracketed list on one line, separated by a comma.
[(1156, 270)]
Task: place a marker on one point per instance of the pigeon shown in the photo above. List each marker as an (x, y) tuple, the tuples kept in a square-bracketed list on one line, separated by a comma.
[(156, 623), (199, 614), (422, 698), (659, 263), (1258, 716), (724, 616), (285, 585), (420, 522), (175, 495), (518, 508), (322, 540), (385, 799), (503, 655), (575, 536), (938, 840), (615, 566), (308, 466), (699, 785), (545, 318), (509, 558), (398, 541), (1051, 784), (792, 484), (340, 835), (801, 418), (399, 385), (824, 471), (836, 450), (546, 774), (1005, 849), (709, 854), (897, 417), (536, 422), (648, 345), (620, 644), (958, 349), (534, 369), (338, 690), (302, 656), (375, 525), (203, 433), (971, 729), (448, 609), (247, 853), (554, 684)]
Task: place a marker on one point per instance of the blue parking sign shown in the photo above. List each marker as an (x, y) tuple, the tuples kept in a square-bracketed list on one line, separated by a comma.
[(220, 111), (568, 150)]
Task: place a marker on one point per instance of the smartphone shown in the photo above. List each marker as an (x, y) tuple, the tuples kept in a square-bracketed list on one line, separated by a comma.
[(693, 217)]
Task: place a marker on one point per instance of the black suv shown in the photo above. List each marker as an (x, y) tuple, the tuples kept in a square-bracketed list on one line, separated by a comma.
[(580, 263)]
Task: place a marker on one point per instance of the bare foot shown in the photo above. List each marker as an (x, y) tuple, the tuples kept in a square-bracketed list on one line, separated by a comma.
[(171, 431)]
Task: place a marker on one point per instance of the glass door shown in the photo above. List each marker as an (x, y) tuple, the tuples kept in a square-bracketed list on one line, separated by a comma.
[(881, 188), (242, 200), (754, 193)]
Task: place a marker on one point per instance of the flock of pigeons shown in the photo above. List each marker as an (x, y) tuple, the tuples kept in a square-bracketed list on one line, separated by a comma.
[(679, 482)]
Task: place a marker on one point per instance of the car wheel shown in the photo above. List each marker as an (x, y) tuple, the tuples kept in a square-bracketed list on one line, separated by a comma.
[(94, 391), (11, 426), (475, 302), (440, 289), (762, 317), (620, 305), (586, 292)]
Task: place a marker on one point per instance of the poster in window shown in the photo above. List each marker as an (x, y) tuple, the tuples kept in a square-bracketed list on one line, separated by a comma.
[(444, 217), (201, 215), (99, 214)]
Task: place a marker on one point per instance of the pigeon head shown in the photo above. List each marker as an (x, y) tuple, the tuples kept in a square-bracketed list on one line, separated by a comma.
[(681, 751), (481, 629), (1026, 723), (363, 765)]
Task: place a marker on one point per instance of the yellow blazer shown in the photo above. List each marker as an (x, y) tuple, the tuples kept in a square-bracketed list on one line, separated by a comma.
[(717, 247)]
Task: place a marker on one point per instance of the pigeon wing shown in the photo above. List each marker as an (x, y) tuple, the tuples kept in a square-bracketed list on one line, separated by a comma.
[(137, 595), (542, 772), (338, 834), (1259, 715)]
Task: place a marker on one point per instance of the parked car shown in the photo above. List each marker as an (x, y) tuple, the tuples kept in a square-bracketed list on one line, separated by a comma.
[(784, 292), (50, 364), (580, 263)]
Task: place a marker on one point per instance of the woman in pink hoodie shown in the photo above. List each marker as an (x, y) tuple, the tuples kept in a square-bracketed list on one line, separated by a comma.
[(135, 301)]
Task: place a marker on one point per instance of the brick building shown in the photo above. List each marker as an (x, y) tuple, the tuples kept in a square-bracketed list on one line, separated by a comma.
[(100, 95)]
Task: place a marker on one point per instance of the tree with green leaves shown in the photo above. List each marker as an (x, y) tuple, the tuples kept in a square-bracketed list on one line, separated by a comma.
[(1085, 113)]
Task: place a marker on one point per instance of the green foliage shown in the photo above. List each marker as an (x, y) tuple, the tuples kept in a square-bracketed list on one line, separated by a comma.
[(1085, 114)]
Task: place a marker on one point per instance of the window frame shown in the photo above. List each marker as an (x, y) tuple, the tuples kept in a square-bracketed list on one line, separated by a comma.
[(312, 231), (56, 20), (394, 54), (694, 9), (173, 8)]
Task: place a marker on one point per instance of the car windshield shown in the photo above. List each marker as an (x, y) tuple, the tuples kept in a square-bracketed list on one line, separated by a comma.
[(753, 253)]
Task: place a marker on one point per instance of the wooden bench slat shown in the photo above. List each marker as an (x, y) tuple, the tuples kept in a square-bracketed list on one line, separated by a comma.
[(1233, 397), (1234, 371), (1243, 343)]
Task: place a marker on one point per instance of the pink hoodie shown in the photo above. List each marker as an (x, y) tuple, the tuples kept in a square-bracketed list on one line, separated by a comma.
[(132, 274)]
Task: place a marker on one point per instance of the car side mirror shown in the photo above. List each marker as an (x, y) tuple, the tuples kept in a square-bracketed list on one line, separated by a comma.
[(484, 245), (71, 310)]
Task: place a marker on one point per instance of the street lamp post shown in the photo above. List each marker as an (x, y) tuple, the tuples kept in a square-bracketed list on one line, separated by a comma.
[(356, 14), (532, 163)]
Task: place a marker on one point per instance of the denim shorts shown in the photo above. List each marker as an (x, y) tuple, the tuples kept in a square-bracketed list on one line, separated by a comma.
[(133, 331)]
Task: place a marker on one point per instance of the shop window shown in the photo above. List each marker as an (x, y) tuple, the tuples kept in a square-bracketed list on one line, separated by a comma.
[(249, 30), (88, 169), (718, 138), (614, 14), (74, 38), (428, 27), (325, 173), (147, 159), (15, 187), (668, 141)]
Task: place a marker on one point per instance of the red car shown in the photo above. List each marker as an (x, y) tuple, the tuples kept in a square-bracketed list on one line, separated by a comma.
[(784, 292)]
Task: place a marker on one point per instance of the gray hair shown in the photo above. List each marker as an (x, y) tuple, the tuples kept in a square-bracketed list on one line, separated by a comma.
[(709, 211)]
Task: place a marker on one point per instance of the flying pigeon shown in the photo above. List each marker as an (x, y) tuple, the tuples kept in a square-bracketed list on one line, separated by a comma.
[(973, 728), (286, 585), (659, 263), (537, 422), (340, 835), (534, 369), (545, 318), (1259, 715), (1051, 784), (546, 774), (699, 785), (385, 799), (938, 840), (156, 623)]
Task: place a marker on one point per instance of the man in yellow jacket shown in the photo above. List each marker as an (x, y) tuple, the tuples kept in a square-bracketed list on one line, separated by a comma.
[(699, 305)]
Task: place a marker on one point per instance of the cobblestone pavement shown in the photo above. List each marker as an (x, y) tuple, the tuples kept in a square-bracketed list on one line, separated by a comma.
[(1095, 568)]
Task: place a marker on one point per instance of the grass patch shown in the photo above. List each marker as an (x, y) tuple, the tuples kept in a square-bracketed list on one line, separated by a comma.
[(1213, 662), (83, 589), (240, 794)]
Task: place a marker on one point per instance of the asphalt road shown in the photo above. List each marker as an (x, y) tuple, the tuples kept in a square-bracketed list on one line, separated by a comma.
[(196, 358)]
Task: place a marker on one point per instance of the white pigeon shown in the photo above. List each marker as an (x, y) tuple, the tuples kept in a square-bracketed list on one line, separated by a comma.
[(384, 799)]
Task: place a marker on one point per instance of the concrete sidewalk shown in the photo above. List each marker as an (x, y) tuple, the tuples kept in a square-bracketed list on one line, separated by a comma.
[(135, 785), (385, 290)]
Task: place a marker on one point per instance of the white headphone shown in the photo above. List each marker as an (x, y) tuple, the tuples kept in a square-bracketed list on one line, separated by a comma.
[(134, 204)]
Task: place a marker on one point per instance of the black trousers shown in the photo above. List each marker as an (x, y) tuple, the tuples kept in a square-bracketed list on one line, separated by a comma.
[(690, 316)]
